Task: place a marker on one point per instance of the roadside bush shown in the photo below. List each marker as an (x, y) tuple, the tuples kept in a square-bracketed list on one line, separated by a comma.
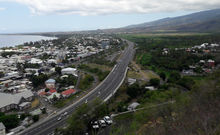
[(35, 118), (186, 82), (10, 121), (155, 82), (174, 77)]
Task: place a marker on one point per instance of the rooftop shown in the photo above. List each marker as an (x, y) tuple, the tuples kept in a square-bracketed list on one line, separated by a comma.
[(2, 126), (68, 92)]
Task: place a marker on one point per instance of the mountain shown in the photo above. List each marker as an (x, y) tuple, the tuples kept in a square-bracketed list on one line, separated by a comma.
[(204, 21)]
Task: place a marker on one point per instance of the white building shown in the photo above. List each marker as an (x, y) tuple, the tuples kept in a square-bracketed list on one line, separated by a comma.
[(69, 71), (2, 129), (133, 106), (36, 61)]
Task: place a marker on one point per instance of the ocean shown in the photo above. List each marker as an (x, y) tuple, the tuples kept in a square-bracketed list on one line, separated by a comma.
[(13, 40)]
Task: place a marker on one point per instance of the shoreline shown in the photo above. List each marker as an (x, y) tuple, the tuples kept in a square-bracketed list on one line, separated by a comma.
[(13, 40)]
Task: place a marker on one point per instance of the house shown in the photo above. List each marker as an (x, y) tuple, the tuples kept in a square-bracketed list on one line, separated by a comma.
[(51, 91), (12, 101), (36, 61), (188, 72), (131, 81), (43, 93), (69, 71), (150, 88), (24, 105), (2, 129), (211, 63), (50, 84), (7, 83), (68, 93), (52, 96), (133, 106)]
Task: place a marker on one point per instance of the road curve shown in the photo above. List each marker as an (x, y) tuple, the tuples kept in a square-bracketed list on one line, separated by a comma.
[(103, 91)]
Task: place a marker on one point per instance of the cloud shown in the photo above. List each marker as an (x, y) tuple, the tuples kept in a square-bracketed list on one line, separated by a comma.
[(97, 7), (3, 29), (2, 9)]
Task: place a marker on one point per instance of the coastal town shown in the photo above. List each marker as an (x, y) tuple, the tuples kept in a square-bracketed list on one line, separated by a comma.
[(36, 75)]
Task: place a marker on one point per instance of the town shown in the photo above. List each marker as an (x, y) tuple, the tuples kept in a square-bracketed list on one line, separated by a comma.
[(38, 76)]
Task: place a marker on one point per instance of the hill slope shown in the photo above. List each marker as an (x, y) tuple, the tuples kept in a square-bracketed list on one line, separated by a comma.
[(205, 21)]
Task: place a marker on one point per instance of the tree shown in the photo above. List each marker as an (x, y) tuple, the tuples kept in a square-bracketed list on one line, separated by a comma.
[(162, 75), (133, 90), (47, 89), (174, 77), (155, 82), (38, 80), (35, 118), (186, 82), (10, 121), (58, 70)]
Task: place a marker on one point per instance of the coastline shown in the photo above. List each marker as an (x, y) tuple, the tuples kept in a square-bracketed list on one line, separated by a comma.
[(12, 40)]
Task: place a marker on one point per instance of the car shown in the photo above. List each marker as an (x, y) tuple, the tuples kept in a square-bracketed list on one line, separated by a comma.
[(108, 120), (65, 113), (95, 124), (59, 118), (102, 123)]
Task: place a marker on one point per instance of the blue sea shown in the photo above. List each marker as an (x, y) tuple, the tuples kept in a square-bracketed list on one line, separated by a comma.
[(13, 40)]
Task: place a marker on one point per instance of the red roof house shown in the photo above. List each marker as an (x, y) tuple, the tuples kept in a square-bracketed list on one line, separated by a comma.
[(68, 92), (52, 91), (43, 93)]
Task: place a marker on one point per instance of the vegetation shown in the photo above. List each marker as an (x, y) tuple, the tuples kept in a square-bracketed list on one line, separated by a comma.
[(30, 65), (86, 82), (67, 81), (35, 118), (6, 54), (38, 80), (58, 70), (194, 112), (10, 121), (196, 97), (101, 74), (63, 102), (149, 52)]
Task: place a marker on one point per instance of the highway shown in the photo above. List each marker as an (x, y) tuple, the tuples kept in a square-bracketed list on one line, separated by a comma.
[(104, 91)]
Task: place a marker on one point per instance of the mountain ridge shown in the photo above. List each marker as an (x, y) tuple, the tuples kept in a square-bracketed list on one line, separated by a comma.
[(203, 21)]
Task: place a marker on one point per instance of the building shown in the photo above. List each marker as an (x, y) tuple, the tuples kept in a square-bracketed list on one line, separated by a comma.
[(50, 84), (36, 61), (51, 91), (52, 96), (15, 101), (133, 106), (211, 63), (131, 81), (150, 88), (69, 71), (68, 93), (2, 129)]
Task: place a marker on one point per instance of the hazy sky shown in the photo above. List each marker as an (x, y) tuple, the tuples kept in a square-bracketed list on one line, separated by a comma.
[(68, 15)]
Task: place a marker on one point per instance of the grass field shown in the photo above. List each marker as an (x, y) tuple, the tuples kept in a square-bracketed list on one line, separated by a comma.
[(101, 67), (35, 103), (141, 74)]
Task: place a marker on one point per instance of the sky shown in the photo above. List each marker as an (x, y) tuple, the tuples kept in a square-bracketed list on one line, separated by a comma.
[(23, 16)]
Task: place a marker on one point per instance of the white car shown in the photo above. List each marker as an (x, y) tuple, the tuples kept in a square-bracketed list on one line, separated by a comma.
[(108, 120), (95, 125), (102, 123), (59, 118), (64, 114)]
